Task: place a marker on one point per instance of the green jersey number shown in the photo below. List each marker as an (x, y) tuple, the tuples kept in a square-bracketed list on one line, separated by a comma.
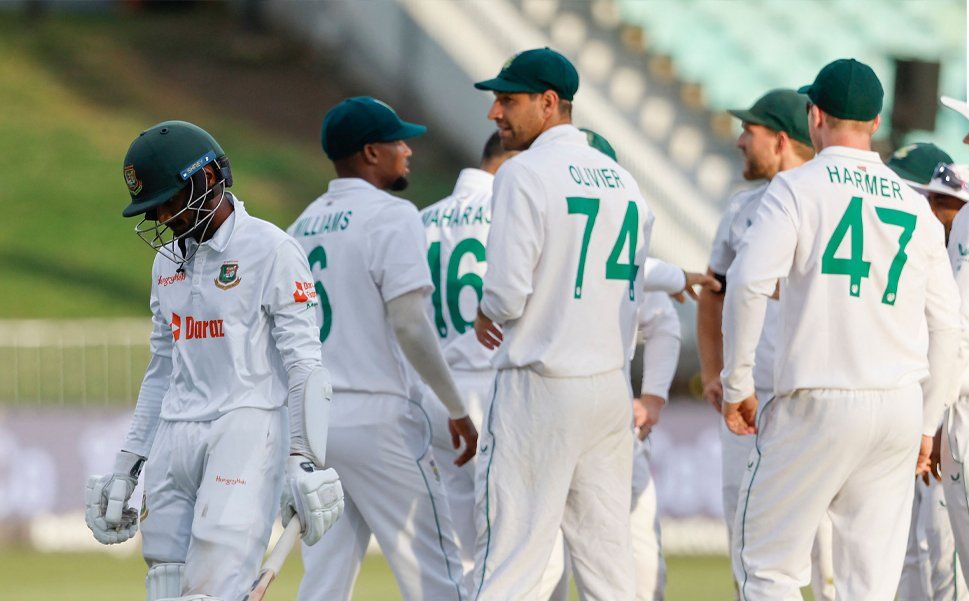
[(855, 267), (627, 238), (454, 283), (316, 257)]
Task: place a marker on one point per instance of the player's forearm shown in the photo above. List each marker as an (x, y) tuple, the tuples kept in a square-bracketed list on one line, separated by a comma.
[(418, 341), (661, 354), (660, 276), (709, 334), (144, 423), (941, 388)]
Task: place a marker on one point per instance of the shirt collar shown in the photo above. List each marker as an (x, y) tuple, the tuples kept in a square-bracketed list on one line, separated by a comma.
[(220, 239), (559, 132), (346, 184), (474, 179), (853, 153)]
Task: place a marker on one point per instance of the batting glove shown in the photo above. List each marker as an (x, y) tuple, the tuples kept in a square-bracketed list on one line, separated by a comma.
[(315, 496), (106, 509)]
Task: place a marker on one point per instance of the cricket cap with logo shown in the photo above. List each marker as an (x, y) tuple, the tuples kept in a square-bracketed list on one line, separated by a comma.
[(916, 163), (951, 180), (362, 120), (847, 89), (162, 160), (533, 72), (780, 110)]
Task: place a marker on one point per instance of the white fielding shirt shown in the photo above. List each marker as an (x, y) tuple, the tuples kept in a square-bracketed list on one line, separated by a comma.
[(867, 283), (659, 326), (739, 216), (365, 247), (959, 259), (457, 236), (569, 236), (227, 331)]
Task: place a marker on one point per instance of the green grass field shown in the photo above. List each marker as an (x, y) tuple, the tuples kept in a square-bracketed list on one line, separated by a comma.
[(77, 88), (31, 576)]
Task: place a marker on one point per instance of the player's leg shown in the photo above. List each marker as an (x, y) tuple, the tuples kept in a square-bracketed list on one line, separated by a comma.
[(238, 498), (913, 585), (596, 519), (822, 562), (955, 446), (650, 566), (397, 488), (734, 453), (942, 571), (791, 477), (167, 507), (331, 566), (525, 463), (554, 585), (872, 512)]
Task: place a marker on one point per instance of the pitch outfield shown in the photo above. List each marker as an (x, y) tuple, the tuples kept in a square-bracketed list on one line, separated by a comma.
[(30, 576)]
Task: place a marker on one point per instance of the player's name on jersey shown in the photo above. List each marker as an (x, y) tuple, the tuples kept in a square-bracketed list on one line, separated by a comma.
[(453, 217), (323, 224), (595, 177), (873, 185)]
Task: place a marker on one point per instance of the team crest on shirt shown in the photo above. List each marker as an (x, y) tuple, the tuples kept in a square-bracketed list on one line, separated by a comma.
[(228, 275), (131, 178), (144, 507)]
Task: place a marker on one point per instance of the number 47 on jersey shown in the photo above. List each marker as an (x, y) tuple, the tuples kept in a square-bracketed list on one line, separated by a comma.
[(855, 267)]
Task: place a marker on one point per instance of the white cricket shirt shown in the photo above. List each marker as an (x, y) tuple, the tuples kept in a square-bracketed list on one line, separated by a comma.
[(866, 273), (234, 324), (457, 236), (959, 259), (733, 226), (568, 239), (365, 248)]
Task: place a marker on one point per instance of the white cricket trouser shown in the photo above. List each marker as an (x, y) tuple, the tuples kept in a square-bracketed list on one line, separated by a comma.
[(850, 453), (955, 449), (379, 444), (475, 388), (931, 571), (650, 566), (556, 452), (735, 454), (211, 494)]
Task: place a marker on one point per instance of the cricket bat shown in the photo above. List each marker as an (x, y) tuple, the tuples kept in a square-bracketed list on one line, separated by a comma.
[(274, 563)]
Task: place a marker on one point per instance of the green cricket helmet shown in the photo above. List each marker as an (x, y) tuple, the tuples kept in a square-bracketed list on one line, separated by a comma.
[(162, 160)]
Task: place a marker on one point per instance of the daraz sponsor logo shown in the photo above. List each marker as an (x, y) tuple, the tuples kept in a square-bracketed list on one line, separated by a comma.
[(196, 328)]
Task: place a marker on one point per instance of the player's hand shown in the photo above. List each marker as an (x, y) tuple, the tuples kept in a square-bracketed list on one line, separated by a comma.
[(694, 279), (487, 332), (315, 496), (924, 465), (646, 412), (463, 429), (713, 393), (741, 418), (106, 509)]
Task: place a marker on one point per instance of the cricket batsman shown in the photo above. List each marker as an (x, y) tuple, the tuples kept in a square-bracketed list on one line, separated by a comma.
[(866, 304), (234, 358)]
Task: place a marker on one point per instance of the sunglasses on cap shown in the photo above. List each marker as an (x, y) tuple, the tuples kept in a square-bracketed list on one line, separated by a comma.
[(947, 176)]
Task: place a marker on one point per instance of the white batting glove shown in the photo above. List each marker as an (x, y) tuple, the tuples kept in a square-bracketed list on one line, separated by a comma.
[(106, 509), (312, 494)]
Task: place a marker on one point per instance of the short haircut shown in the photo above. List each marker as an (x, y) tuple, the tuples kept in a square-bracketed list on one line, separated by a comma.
[(802, 150), (492, 148), (565, 108)]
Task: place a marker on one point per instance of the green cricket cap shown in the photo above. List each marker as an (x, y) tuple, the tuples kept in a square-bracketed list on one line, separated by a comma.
[(847, 89), (362, 120), (916, 163), (162, 159), (780, 110), (535, 71), (599, 143)]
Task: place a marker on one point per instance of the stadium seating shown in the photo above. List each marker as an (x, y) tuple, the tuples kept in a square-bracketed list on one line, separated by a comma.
[(736, 50)]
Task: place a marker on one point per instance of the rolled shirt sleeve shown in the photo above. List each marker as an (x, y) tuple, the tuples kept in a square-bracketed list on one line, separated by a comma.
[(398, 255)]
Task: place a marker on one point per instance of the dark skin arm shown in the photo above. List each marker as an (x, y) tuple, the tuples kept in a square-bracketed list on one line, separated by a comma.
[(709, 340)]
